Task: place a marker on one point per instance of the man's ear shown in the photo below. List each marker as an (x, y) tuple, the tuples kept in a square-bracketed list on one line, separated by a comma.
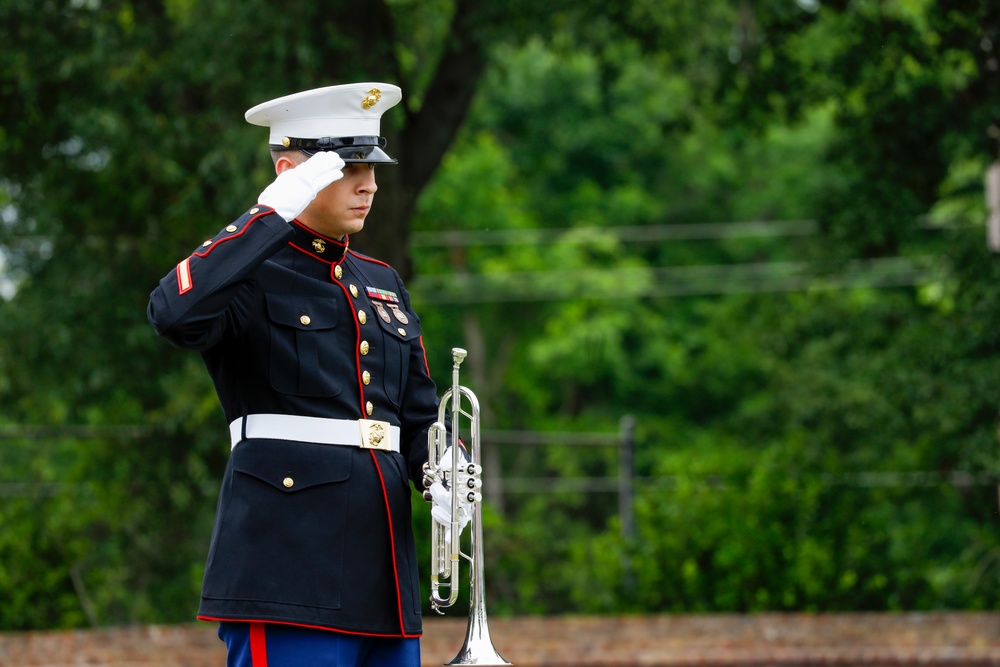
[(284, 163)]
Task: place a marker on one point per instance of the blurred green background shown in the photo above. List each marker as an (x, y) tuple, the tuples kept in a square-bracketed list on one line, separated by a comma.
[(748, 238)]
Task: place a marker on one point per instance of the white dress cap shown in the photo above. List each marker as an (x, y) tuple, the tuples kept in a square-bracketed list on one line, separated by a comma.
[(349, 110)]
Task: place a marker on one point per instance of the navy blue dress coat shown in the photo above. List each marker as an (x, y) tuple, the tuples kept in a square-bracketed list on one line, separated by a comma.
[(293, 323)]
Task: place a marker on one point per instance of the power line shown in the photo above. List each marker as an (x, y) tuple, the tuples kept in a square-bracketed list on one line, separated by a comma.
[(681, 281), (689, 231), (75, 431), (641, 234)]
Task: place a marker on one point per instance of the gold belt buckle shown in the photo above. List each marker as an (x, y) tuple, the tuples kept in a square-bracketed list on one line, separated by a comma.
[(375, 434)]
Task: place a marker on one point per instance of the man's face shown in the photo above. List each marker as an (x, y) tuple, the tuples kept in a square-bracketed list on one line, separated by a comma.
[(341, 207)]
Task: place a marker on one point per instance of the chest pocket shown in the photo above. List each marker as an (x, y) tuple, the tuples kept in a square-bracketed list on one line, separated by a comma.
[(401, 330), (305, 359)]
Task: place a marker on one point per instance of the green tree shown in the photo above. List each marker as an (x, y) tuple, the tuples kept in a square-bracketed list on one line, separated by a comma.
[(799, 445)]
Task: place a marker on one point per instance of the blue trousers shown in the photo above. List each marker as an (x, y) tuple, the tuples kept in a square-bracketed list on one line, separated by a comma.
[(276, 645)]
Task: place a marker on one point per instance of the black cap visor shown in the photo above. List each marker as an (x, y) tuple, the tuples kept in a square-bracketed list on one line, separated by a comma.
[(351, 149)]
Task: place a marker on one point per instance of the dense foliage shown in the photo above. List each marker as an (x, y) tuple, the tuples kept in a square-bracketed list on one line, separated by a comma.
[(813, 393)]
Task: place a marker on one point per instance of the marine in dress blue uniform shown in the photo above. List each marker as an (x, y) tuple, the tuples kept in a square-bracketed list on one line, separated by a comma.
[(318, 361)]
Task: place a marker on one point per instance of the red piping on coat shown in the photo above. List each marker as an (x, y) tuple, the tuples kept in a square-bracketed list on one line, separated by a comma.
[(215, 619), (357, 346), (427, 366), (366, 258), (392, 542)]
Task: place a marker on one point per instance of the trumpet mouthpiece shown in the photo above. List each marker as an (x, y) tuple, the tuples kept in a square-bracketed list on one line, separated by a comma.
[(458, 354)]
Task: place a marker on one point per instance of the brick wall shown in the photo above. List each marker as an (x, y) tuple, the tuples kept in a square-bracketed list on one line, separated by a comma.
[(780, 640)]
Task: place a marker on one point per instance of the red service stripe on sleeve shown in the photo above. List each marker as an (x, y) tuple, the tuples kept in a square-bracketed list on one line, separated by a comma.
[(184, 283)]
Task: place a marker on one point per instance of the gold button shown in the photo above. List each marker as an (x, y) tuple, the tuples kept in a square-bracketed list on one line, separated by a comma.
[(288, 482), (254, 210), (402, 331), (366, 377), (305, 319), (362, 316), (354, 291), (337, 271), (369, 408), (365, 347), (231, 228)]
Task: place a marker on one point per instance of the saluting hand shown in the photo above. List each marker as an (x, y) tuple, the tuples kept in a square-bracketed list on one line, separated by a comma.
[(294, 189)]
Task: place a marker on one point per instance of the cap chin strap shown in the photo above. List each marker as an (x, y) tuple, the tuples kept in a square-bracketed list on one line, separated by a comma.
[(351, 149), (329, 143)]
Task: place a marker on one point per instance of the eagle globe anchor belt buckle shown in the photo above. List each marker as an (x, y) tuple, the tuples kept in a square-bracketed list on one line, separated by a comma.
[(375, 434), (364, 433)]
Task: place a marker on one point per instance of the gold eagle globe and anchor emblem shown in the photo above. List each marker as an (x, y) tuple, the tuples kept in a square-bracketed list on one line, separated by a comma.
[(319, 245), (374, 434), (371, 98)]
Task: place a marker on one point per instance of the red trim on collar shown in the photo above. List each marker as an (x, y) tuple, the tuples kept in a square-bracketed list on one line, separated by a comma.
[(310, 230), (338, 248), (310, 253)]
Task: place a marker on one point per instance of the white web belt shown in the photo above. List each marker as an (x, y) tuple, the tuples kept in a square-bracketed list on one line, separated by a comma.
[(365, 433)]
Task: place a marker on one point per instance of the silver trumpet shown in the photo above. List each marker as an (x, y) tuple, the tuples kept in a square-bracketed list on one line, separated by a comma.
[(459, 476)]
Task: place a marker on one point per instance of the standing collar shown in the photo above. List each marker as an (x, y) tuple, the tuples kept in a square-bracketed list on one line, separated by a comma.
[(318, 246)]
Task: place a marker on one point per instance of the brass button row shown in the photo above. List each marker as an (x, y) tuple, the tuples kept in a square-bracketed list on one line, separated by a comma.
[(365, 347)]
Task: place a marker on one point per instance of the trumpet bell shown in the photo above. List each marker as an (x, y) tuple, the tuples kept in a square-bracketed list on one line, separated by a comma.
[(478, 648)]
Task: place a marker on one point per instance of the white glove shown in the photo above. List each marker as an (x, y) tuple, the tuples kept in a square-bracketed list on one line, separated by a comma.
[(294, 189), (441, 510)]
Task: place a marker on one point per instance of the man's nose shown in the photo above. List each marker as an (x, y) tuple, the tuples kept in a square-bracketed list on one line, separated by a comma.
[(367, 182)]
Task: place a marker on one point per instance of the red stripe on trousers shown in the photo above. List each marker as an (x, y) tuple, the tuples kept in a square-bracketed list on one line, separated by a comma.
[(258, 645)]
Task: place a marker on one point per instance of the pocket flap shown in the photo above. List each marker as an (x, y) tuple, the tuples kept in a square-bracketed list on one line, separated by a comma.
[(293, 466), (305, 313)]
